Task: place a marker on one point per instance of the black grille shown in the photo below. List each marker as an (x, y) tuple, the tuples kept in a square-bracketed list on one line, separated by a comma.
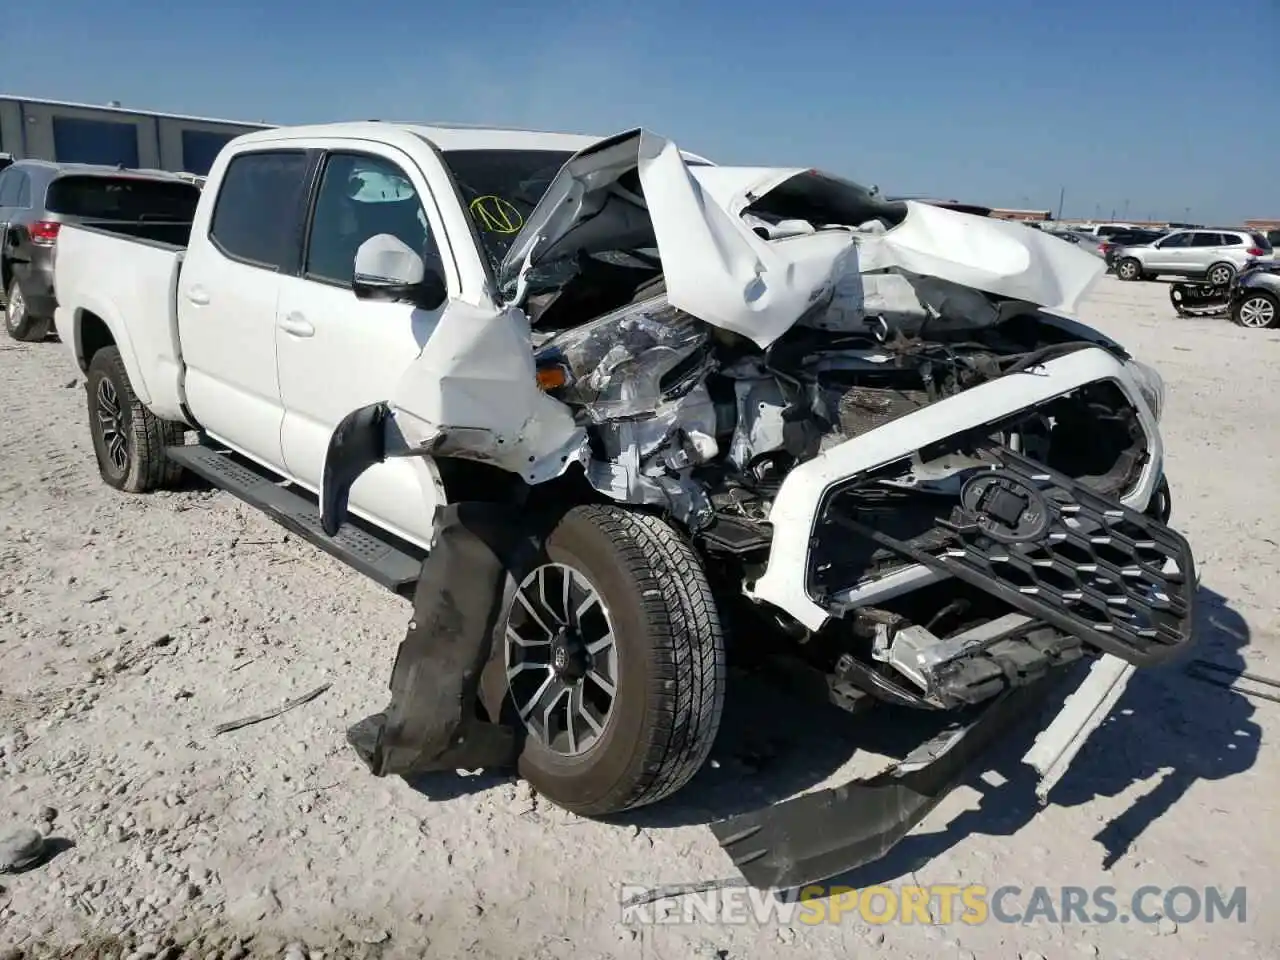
[(1056, 550)]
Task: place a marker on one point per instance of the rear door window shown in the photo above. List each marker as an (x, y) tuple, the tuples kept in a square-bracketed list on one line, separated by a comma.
[(258, 215), (1206, 240), (122, 198)]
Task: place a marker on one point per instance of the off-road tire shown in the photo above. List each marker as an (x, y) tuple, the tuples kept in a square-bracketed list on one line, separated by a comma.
[(1129, 269), (672, 674), (146, 467), (1226, 269), (17, 318)]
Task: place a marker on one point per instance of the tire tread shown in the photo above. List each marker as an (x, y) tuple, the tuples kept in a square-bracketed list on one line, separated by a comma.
[(151, 468), (688, 699)]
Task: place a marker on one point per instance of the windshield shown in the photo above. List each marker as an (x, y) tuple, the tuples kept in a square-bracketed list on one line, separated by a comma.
[(500, 188), (122, 198)]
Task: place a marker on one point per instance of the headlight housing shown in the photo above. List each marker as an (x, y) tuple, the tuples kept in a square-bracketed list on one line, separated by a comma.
[(628, 363), (1150, 385)]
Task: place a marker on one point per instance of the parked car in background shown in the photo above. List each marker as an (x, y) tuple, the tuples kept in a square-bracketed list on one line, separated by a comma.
[(1255, 296), (37, 197), (6, 160), (1214, 255), (1130, 238), (1084, 241), (1106, 229), (1273, 237)]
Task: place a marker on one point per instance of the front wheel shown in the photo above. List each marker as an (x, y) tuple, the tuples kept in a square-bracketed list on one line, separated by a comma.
[(1129, 269), (614, 662), (128, 440), (1257, 310)]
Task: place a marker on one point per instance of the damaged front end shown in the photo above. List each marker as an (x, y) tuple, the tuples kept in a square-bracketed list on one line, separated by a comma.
[(870, 417)]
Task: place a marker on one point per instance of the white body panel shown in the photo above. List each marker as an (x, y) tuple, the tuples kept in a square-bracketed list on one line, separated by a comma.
[(134, 298), (226, 325)]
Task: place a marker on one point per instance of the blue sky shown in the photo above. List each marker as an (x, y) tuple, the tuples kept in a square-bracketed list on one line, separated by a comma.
[(1161, 104)]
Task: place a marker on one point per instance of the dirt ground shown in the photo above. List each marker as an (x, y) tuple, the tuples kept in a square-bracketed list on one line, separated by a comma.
[(130, 626)]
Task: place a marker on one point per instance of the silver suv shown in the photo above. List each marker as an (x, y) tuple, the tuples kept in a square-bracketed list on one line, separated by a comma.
[(1214, 255)]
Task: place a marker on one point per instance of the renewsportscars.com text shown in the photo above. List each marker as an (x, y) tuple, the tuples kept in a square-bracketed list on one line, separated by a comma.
[(937, 903)]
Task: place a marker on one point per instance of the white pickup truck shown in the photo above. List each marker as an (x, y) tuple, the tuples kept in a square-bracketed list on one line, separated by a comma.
[(590, 401)]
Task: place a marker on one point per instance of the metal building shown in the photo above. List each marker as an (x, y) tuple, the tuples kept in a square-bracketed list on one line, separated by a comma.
[(84, 133)]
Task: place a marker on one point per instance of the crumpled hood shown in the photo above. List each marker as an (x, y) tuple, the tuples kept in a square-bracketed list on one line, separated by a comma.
[(719, 269)]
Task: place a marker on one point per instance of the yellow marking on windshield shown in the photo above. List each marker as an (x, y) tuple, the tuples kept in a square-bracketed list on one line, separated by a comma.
[(495, 215)]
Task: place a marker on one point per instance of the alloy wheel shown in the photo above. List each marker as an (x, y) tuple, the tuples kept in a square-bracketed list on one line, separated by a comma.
[(1257, 313), (561, 659), (111, 423), (16, 310)]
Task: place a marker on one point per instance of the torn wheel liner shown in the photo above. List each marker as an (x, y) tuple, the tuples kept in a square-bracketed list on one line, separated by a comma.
[(431, 722)]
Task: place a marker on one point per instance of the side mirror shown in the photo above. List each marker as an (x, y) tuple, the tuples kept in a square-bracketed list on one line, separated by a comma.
[(388, 269)]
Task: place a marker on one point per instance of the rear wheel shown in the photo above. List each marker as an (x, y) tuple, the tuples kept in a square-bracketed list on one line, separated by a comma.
[(128, 440), (1257, 310), (1220, 274), (1129, 269), (17, 318), (614, 662)]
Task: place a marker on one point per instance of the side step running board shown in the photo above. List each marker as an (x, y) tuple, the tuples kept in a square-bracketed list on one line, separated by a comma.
[(394, 566)]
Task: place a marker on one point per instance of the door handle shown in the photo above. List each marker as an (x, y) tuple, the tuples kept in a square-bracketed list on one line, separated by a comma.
[(198, 296), (297, 325)]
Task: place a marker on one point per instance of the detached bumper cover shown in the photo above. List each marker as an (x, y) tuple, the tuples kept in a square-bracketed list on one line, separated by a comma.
[(820, 835)]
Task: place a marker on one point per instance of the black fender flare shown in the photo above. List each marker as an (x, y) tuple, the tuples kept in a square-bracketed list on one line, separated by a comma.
[(358, 442)]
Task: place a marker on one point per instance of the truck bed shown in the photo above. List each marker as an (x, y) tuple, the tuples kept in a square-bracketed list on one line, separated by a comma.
[(140, 288)]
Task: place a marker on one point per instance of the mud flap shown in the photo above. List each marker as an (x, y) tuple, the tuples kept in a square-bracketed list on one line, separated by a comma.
[(821, 835), (432, 722)]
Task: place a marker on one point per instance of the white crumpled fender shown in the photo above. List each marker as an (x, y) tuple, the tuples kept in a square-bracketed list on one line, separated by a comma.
[(473, 394)]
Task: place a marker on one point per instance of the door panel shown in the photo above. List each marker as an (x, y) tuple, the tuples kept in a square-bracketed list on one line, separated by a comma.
[(228, 293), (337, 353), (1172, 252)]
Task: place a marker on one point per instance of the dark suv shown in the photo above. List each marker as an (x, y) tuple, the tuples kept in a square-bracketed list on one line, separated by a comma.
[(37, 197)]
